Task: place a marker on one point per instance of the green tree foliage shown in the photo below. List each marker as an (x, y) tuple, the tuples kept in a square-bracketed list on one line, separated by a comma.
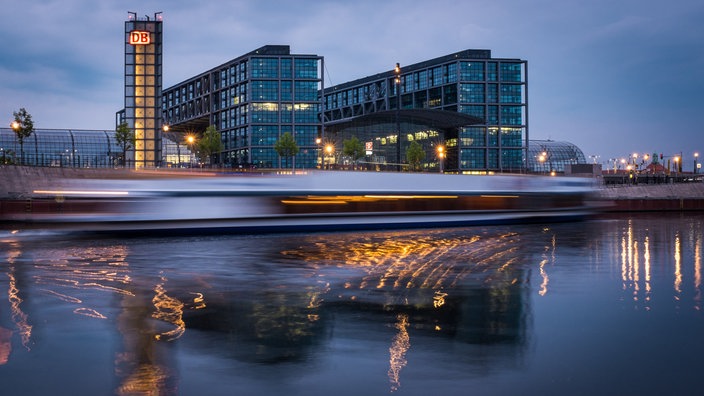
[(286, 146), (209, 144), (353, 148), (415, 155), (23, 127), (125, 138), (7, 158)]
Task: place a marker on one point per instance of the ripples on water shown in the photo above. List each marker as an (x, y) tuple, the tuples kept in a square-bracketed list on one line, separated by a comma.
[(495, 309)]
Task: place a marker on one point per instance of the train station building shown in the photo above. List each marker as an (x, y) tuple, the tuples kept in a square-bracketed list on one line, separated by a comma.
[(467, 110)]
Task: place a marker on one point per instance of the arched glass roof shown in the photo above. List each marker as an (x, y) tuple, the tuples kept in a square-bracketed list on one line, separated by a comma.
[(549, 155)]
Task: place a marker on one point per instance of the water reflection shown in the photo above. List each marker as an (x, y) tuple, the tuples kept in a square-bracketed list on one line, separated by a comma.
[(644, 243), (19, 317), (435, 300)]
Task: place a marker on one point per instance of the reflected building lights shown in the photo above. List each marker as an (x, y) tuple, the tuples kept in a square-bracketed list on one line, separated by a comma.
[(678, 267), (19, 318), (634, 274), (544, 275), (697, 273), (397, 351), (646, 260), (169, 310), (543, 290)]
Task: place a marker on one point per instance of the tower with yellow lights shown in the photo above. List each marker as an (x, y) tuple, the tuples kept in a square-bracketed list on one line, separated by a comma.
[(143, 60)]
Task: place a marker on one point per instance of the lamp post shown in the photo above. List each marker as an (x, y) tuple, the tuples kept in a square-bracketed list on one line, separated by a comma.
[(328, 150), (166, 129), (635, 159), (397, 83), (695, 162), (541, 159), (441, 156), (16, 127), (317, 143), (677, 164), (190, 139)]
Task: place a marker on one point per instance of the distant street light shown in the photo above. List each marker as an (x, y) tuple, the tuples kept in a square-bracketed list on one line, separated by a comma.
[(695, 162), (318, 141), (397, 84), (190, 140), (328, 150), (677, 164)]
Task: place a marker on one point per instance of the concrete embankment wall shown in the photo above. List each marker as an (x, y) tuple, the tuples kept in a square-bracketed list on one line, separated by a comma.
[(654, 197)]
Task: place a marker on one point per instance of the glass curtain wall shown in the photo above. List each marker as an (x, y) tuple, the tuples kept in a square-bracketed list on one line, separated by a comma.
[(493, 90)]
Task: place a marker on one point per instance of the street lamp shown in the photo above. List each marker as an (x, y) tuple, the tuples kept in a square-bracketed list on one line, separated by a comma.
[(190, 140), (397, 83), (677, 164), (441, 156), (328, 150), (695, 162), (317, 143), (541, 159)]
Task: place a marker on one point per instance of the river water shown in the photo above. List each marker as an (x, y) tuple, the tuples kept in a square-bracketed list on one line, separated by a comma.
[(605, 306)]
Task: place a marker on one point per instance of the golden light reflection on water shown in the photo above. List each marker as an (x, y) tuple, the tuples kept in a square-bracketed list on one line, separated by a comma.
[(678, 267), (422, 271), (631, 265), (397, 351), (147, 379), (678, 248), (697, 276), (422, 262), (169, 310), (545, 278), (19, 317)]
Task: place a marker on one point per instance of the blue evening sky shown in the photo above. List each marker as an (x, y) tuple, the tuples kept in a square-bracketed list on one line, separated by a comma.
[(613, 77)]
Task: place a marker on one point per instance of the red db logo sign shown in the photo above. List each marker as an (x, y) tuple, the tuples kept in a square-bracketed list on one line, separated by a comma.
[(138, 37)]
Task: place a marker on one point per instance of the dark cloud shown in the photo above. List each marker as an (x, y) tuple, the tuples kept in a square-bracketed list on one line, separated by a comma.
[(613, 77)]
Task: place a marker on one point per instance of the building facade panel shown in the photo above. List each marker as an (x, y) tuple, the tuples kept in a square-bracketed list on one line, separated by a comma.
[(470, 82), (255, 98)]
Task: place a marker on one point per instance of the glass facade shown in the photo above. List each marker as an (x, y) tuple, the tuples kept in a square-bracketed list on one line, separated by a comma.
[(252, 101), (469, 82), (143, 60), (545, 156), (61, 148)]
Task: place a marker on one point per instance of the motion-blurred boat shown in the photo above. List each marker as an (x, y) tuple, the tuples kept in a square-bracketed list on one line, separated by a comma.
[(313, 201)]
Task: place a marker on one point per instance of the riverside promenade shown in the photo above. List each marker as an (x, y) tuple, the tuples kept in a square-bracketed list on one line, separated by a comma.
[(17, 182)]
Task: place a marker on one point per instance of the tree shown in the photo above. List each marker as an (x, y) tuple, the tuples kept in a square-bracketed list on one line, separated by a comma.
[(286, 147), (23, 127), (209, 144), (415, 155), (353, 148), (126, 139)]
